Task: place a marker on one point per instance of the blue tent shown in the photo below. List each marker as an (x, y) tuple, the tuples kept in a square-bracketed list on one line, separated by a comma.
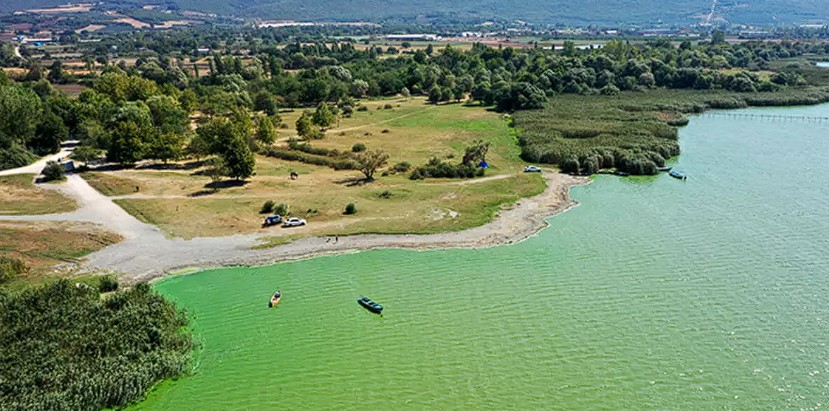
[(483, 164)]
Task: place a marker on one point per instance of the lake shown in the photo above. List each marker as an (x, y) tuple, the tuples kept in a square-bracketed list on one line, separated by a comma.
[(654, 293)]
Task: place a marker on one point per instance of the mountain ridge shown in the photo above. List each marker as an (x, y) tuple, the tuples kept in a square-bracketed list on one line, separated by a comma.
[(586, 12)]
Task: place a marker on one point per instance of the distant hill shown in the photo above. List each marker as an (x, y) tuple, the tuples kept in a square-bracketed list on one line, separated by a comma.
[(600, 12)]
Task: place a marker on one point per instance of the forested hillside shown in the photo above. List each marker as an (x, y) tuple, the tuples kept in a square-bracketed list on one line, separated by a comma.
[(604, 12)]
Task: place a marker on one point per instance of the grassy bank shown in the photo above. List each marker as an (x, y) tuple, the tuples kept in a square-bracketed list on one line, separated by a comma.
[(20, 196), (634, 131)]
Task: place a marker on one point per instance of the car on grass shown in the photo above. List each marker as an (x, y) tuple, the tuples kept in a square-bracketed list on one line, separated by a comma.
[(272, 220), (532, 169), (294, 222)]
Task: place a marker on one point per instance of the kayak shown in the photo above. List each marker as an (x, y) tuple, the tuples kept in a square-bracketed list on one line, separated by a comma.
[(275, 299)]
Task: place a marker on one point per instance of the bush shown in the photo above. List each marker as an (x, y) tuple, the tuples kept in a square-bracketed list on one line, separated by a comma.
[(402, 167), (385, 194), (108, 284), (362, 108), (351, 208), (267, 207), (11, 267), (53, 172), (295, 155), (438, 169), (281, 209), (388, 107), (358, 147)]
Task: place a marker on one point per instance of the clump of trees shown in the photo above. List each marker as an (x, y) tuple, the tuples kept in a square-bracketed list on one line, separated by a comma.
[(63, 347)]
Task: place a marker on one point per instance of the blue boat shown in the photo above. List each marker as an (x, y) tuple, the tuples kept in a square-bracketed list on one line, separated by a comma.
[(677, 174), (370, 305)]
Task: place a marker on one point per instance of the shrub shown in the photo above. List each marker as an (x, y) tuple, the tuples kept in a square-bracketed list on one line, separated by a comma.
[(267, 207), (385, 194), (281, 209), (108, 284), (53, 172), (386, 131), (11, 267), (438, 169), (351, 208), (356, 148), (388, 107), (402, 167), (362, 108)]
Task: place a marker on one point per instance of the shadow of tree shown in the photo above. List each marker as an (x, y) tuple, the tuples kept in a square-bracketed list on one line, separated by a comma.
[(216, 185), (354, 181)]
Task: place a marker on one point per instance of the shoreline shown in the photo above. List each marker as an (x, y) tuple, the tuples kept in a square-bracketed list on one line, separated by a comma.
[(131, 260)]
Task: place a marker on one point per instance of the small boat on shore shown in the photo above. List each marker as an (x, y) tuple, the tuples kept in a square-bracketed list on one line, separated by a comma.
[(665, 169), (621, 173), (677, 174), (370, 305), (275, 299)]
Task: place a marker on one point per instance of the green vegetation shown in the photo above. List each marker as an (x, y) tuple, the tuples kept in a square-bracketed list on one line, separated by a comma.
[(53, 172), (350, 208), (63, 347), (633, 132), (10, 268)]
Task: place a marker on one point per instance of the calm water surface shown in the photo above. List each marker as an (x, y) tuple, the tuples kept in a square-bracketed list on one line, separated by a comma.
[(653, 294)]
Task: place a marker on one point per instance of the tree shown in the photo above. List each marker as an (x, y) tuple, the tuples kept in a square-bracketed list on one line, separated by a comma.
[(323, 116), (167, 115), (238, 158), (264, 101), (305, 126), (717, 37), (435, 94), (265, 131), (369, 161), (476, 153), (20, 110), (166, 146), (85, 154), (49, 134), (222, 137), (131, 129)]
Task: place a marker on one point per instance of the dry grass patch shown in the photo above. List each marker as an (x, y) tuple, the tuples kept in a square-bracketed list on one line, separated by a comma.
[(19, 196), (43, 245)]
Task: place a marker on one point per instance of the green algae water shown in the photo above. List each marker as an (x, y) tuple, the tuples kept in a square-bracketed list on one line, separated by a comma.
[(654, 293)]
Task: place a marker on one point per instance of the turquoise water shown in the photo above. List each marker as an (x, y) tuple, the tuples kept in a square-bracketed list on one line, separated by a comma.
[(823, 64), (653, 294)]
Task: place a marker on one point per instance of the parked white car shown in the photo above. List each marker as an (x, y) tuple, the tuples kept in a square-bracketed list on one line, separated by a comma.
[(532, 169), (294, 222)]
